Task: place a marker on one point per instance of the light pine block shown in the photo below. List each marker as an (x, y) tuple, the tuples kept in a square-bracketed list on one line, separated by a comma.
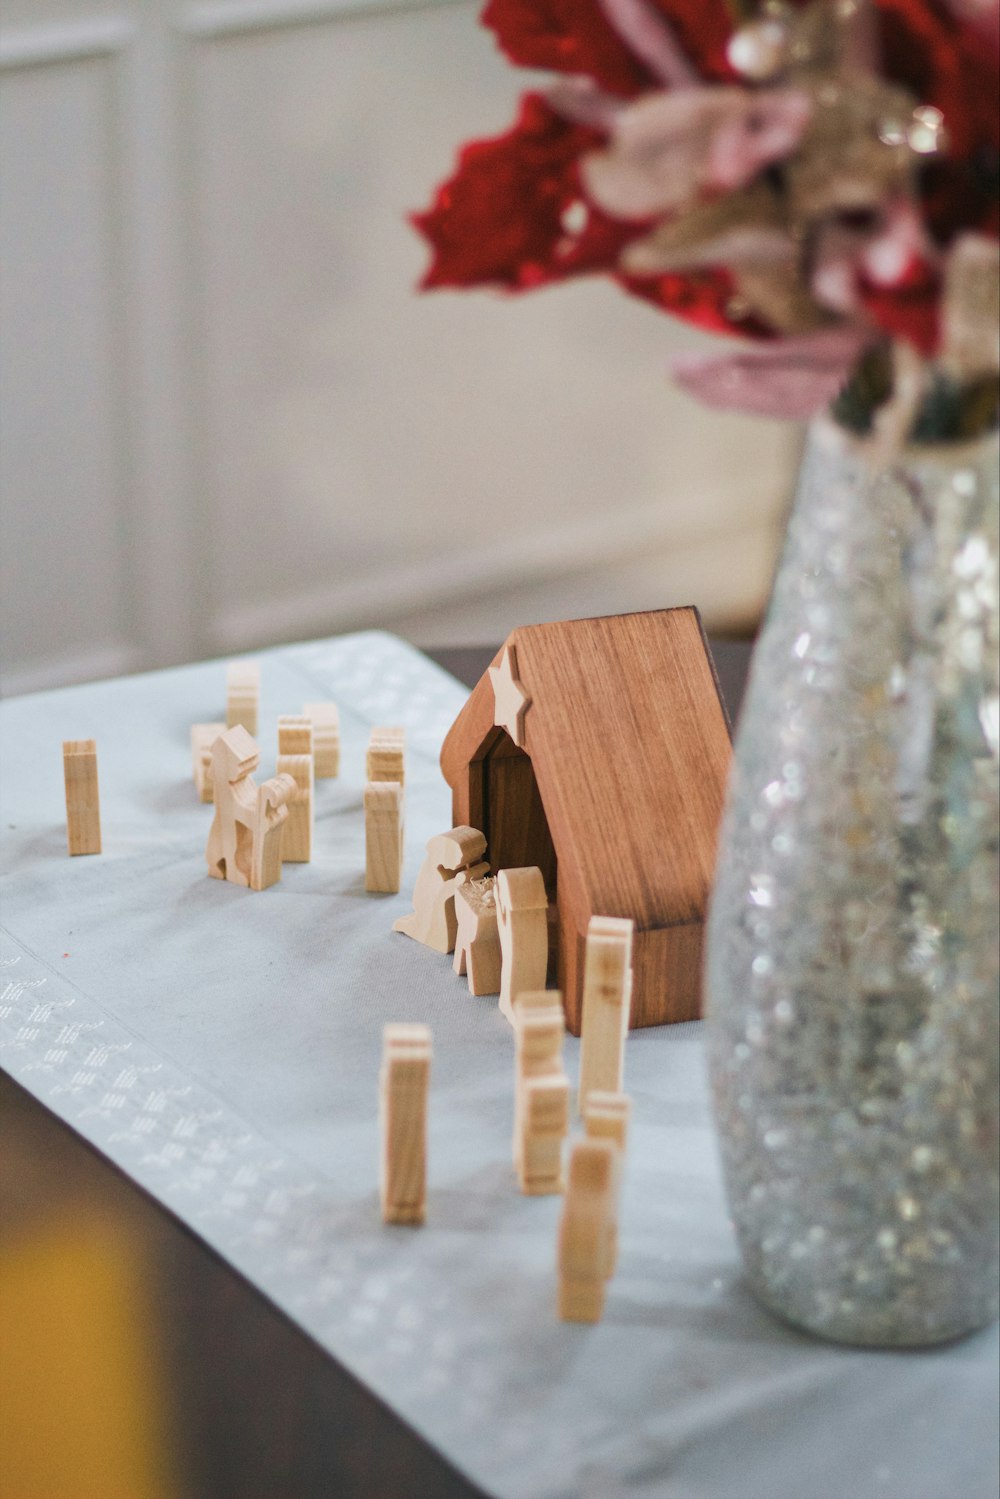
[(203, 736), (385, 758), (296, 844), (477, 940), (83, 806), (606, 1117), (539, 1030), (325, 719), (295, 734), (523, 926), (243, 695), (404, 1083), (383, 802), (585, 1229), (451, 860), (607, 991)]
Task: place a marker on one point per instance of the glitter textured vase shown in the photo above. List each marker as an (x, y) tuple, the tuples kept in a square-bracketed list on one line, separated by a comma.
[(852, 950)]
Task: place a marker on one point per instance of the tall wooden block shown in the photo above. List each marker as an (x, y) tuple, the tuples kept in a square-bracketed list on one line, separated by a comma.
[(325, 719), (585, 1229), (607, 992), (243, 696), (403, 1087), (523, 927), (83, 807), (385, 758), (203, 736), (383, 837)]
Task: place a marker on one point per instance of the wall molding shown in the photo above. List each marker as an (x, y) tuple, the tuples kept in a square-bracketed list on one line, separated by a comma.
[(611, 540), (216, 19), (65, 41)]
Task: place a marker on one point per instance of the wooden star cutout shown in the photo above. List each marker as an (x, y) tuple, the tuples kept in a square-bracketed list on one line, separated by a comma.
[(511, 702)]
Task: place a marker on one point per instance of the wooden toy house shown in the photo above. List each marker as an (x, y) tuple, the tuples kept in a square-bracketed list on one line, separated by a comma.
[(598, 749)]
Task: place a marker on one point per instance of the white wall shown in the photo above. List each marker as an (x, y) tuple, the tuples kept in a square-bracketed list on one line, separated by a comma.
[(226, 418)]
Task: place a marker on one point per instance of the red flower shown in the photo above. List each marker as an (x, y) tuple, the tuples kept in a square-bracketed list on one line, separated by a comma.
[(513, 214), (573, 36), (910, 309)]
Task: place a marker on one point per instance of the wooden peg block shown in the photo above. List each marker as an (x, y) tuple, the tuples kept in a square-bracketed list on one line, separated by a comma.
[(607, 1118), (477, 940), (451, 860), (325, 719), (243, 695), (384, 761), (587, 1221), (607, 991), (203, 736), (522, 922), (296, 843), (544, 1127), (83, 806), (539, 1029), (403, 1087), (295, 734), (383, 837)]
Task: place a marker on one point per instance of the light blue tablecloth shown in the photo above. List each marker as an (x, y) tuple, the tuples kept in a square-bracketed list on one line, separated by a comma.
[(222, 1047)]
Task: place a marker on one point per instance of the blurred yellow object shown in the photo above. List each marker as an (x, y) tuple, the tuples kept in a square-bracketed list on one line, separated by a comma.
[(80, 1394)]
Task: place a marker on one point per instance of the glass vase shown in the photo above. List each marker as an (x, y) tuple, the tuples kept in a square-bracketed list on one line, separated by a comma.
[(852, 947)]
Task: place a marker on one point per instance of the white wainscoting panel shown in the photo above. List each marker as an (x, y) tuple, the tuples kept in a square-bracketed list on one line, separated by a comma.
[(64, 470), (229, 419)]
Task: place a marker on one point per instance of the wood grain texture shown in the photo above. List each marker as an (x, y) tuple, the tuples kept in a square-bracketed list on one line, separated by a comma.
[(83, 805), (628, 751), (403, 1087), (243, 696), (607, 992), (325, 719), (383, 801), (296, 847), (203, 736)]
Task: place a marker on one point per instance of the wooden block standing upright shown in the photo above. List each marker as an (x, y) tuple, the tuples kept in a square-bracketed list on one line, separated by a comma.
[(607, 1118), (607, 991), (83, 806), (203, 736), (522, 921), (244, 841), (295, 758), (451, 860), (403, 1087), (383, 837), (325, 719), (243, 695), (385, 758), (477, 940), (585, 1229), (541, 1091)]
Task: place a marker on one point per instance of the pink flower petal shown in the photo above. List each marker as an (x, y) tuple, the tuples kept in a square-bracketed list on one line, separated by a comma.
[(792, 378)]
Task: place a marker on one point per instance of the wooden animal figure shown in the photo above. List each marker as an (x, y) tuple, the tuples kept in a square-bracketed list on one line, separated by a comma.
[(584, 1231), (243, 695), (607, 991), (606, 1117), (83, 807), (522, 922), (477, 940), (203, 736), (403, 1087), (325, 719), (295, 758), (383, 837), (541, 1091), (244, 841), (451, 860)]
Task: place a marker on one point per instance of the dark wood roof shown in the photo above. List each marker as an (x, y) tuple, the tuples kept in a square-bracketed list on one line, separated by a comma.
[(630, 747)]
